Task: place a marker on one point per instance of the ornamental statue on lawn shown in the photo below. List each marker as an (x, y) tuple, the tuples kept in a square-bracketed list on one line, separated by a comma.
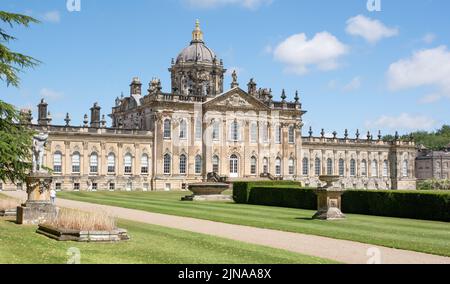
[(38, 207)]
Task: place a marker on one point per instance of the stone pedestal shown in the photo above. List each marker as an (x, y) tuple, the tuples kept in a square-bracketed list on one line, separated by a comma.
[(38, 207), (329, 200)]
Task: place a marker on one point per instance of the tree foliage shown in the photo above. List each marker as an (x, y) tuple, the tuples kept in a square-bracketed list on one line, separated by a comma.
[(435, 140), (11, 63), (15, 137), (15, 145)]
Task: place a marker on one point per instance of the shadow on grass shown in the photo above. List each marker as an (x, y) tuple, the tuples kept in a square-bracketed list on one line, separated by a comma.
[(305, 219)]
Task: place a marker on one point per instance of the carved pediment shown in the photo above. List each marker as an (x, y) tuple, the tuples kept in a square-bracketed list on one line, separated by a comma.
[(234, 101)]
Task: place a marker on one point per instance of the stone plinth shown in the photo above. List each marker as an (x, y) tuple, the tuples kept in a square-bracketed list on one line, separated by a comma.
[(208, 191), (38, 207), (8, 213), (83, 236), (329, 200)]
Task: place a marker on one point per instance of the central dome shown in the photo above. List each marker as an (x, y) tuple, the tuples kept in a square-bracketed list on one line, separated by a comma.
[(197, 51)]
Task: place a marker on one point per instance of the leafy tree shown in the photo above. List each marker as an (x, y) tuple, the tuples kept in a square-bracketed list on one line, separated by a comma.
[(15, 137), (436, 140)]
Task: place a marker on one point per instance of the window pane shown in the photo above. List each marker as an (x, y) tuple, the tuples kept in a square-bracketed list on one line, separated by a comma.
[(318, 167), (291, 135), (198, 164), (305, 166), (341, 167), (254, 133), (167, 164), (278, 166), (215, 163), (167, 129), (253, 164), (182, 164), (291, 166), (278, 134)]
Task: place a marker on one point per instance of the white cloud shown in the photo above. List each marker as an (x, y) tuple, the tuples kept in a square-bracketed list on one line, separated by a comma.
[(371, 30), (299, 53), (425, 68), (429, 38), (353, 85), (52, 17), (50, 94), (403, 121), (248, 4)]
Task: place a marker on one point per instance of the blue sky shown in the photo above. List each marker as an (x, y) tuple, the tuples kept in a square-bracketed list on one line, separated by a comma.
[(387, 70)]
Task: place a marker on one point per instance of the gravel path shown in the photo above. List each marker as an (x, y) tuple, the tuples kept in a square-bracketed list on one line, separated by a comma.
[(339, 250)]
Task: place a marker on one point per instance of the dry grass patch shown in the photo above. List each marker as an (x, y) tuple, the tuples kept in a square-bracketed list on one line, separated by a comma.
[(70, 219), (9, 204)]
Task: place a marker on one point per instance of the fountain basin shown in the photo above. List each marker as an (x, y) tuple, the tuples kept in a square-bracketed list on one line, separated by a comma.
[(208, 191)]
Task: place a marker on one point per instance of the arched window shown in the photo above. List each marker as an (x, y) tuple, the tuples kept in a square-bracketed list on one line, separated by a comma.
[(167, 164), (277, 134), (183, 161), (374, 168), (405, 171), (254, 133), (93, 163), (57, 162), (318, 169), (266, 166), (144, 164), (291, 134), (234, 131), (352, 167), (167, 129), (198, 164), (76, 163), (253, 165), (198, 128), (278, 167), (111, 163), (183, 129), (329, 167), (385, 168), (215, 164), (364, 168), (305, 165), (291, 166), (341, 167), (128, 163), (234, 166), (215, 130)]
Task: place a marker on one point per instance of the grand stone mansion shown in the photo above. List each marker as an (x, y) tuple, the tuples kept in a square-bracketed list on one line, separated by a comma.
[(165, 140)]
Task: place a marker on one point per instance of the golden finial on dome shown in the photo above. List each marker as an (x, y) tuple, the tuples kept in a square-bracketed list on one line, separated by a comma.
[(197, 34)]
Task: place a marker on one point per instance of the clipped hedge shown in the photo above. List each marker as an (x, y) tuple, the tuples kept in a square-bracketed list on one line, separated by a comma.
[(425, 205), (402, 204), (241, 190)]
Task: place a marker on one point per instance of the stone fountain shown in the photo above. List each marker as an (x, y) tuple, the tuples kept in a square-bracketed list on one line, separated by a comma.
[(329, 200), (210, 190)]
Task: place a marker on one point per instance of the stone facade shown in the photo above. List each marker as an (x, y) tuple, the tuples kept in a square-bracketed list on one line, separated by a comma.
[(165, 141), (433, 164)]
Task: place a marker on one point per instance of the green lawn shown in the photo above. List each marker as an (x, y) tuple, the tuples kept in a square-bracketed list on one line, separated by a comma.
[(416, 235), (149, 245)]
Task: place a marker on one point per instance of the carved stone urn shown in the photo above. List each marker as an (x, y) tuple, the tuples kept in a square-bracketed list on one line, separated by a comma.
[(329, 200), (38, 208)]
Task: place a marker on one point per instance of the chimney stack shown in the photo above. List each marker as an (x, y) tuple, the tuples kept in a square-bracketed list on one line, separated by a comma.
[(95, 116), (43, 119)]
